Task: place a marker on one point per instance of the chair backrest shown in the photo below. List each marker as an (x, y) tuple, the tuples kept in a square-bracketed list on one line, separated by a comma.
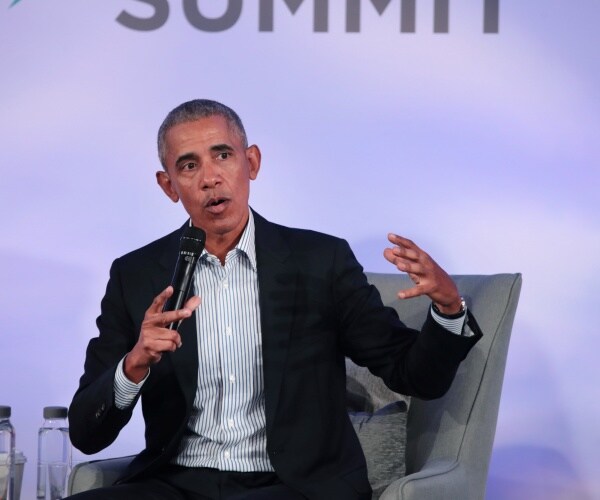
[(462, 424)]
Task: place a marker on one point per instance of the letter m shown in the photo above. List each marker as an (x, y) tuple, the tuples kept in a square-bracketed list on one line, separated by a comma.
[(320, 18), (408, 12)]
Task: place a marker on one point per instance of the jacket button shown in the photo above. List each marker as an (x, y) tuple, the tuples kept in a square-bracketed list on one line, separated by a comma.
[(100, 411)]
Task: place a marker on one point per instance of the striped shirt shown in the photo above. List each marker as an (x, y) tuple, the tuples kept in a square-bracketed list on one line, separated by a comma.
[(227, 428)]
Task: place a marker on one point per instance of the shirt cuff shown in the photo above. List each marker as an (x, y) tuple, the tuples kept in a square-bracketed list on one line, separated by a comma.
[(452, 325), (125, 390)]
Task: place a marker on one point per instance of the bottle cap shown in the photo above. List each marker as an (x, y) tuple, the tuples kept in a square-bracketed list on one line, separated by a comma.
[(55, 412), (5, 411)]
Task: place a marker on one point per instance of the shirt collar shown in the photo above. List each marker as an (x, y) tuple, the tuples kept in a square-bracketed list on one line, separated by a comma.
[(247, 243)]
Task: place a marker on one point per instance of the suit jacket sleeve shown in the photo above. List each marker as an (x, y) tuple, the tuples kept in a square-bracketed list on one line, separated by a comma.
[(94, 420), (421, 364)]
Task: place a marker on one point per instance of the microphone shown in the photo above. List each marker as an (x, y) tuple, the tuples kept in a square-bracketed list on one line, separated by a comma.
[(190, 248)]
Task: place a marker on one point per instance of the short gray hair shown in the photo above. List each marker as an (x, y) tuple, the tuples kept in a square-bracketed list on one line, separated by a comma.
[(195, 110)]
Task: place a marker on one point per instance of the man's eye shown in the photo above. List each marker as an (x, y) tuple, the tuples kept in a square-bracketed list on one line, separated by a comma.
[(223, 155), (188, 166)]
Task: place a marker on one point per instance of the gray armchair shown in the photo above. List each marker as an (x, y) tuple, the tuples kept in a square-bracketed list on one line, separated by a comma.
[(449, 440)]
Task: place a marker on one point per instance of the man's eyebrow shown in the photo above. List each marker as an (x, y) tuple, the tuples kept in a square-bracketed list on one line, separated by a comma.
[(186, 157), (217, 148)]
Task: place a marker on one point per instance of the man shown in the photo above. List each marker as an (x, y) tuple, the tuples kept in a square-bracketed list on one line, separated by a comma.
[(247, 400)]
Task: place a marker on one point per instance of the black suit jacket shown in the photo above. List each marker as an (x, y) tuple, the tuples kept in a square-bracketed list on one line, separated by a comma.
[(316, 308)]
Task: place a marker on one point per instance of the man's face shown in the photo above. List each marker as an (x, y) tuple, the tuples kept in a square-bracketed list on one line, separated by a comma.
[(209, 170)]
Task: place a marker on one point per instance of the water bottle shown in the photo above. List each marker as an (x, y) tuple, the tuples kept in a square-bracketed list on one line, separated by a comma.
[(7, 455), (54, 454)]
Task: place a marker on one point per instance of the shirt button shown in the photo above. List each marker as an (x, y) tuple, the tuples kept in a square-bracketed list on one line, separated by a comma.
[(226, 454), (225, 284), (232, 378), (228, 331), (230, 423)]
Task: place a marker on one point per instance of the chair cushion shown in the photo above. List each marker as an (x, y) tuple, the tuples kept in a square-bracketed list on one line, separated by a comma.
[(379, 418)]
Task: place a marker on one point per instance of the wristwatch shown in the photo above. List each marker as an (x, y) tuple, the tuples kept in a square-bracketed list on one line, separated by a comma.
[(459, 314)]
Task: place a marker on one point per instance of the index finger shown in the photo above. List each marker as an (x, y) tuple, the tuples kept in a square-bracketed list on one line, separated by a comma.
[(396, 239), (409, 293), (159, 301)]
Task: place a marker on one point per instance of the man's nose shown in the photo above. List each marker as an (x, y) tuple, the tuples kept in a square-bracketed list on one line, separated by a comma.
[(212, 176)]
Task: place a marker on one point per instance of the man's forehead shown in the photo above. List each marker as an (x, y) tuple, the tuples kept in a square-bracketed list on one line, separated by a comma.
[(200, 125), (211, 131)]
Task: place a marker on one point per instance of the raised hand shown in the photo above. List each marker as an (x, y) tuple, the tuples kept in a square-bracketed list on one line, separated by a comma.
[(429, 278)]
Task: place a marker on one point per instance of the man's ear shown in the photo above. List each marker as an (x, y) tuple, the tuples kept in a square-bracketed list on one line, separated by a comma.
[(164, 182), (253, 156)]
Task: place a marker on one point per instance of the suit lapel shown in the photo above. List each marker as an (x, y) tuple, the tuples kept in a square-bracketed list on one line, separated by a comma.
[(277, 279), (184, 359)]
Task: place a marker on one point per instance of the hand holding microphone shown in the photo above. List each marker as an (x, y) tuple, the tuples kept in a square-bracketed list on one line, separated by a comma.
[(158, 332)]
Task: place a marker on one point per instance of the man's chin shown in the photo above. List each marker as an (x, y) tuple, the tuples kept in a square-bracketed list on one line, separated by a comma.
[(222, 224)]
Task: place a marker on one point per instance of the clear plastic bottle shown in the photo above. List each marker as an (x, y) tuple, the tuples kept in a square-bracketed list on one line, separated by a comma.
[(54, 454), (7, 455)]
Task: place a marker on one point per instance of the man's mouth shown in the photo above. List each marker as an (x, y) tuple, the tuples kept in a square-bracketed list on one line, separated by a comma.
[(213, 202), (216, 205)]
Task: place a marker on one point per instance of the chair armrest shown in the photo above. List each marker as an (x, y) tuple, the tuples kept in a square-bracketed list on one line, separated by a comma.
[(96, 473), (438, 479)]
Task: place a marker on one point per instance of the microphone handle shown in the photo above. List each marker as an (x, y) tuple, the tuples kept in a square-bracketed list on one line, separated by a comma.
[(182, 285)]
